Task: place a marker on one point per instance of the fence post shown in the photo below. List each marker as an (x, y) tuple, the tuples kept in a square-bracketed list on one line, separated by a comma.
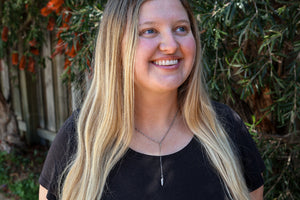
[(29, 101), (61, 89), (5, 79), (49, 87)]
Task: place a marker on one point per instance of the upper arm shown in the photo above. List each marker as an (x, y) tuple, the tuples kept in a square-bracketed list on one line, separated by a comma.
[(43, 193), (247, 152), (257, 194), (59, 155)]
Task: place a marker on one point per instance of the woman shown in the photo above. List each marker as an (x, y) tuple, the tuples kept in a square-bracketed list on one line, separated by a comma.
[(147, 129)]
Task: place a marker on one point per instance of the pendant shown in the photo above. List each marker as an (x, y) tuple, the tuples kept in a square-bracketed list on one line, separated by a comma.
[(161, 169)]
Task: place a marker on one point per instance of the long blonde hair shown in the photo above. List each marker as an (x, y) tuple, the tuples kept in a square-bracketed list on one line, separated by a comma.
[(106, 120)]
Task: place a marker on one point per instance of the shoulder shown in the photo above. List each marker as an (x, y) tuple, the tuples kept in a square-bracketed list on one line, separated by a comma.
[(228, 118), (65, 141), (243, 144), (60, 154), (233, 124), (67, 133)]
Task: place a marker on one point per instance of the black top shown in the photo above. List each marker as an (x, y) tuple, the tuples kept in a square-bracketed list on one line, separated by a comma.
[(188, 173)]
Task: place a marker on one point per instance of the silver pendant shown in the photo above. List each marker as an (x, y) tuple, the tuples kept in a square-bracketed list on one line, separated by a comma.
[(161, 169)]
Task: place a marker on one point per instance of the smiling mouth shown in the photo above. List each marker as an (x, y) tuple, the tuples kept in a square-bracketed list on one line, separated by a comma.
[(166, 62)]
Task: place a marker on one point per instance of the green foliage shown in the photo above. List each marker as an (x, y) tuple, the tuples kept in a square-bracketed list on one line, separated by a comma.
[(19, 174), (281, 158), (282, 172), (251, 46), (84, 21), (27, 188), (251, 52), (3, 169), (25, 33)]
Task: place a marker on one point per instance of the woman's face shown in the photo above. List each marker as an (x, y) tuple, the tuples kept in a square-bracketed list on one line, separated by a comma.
[(166, 46)]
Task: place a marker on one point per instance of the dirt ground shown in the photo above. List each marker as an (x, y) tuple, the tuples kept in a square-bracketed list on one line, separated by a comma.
[(3, 197)]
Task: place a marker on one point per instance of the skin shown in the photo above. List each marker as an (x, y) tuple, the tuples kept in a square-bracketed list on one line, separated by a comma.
[(163, 35), (42, 193), (257, 194)]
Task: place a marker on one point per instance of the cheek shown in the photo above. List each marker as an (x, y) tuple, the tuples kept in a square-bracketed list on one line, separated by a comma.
[(189, 48), (189, 51), (144, 51)]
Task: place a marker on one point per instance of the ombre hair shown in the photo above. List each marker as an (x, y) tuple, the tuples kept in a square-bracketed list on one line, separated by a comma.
[(106, 120)]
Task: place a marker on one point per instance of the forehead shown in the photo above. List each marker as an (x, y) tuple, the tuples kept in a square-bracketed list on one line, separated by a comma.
[(153, 10)]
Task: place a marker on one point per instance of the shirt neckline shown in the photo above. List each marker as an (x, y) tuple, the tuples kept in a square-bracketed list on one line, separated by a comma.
[(135, 154)]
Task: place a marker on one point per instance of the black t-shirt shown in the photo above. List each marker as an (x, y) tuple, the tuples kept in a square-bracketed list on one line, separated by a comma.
[(188, 173)]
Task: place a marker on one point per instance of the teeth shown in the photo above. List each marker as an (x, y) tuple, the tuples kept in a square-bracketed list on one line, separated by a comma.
[(166, 62)]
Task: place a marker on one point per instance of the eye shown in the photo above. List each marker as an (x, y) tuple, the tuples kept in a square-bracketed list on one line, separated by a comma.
[(182, 29), (148, 32)]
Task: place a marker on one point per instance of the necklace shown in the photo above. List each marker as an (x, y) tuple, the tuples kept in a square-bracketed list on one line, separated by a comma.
[(159, 142)]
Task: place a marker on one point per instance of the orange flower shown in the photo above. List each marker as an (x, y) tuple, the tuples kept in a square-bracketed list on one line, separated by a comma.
[(89, 69), (22, 63), (58, 34), (67, 63), (67, 66), (31, 63), (5, 34), (51, 24), (58, 11), (32, 43), (72, 52), (59, 48), (66, 16), (15, 58), (88, 62), (35, 51), (55, 4), (45, 11), (65, 26)]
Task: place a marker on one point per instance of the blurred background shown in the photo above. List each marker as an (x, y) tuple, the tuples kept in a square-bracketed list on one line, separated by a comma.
[(251, 56)]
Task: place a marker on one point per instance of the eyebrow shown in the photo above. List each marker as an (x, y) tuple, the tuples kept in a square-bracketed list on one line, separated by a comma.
[(154, 23)]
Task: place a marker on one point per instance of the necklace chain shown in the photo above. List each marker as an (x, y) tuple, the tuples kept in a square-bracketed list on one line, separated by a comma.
[(159, 142)]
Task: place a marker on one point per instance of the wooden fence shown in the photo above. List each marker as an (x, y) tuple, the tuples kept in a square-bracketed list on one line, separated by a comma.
[(41, 102)]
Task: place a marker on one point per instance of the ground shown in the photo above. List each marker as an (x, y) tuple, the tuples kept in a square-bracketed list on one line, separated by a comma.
[(3, 197), (19, 172)]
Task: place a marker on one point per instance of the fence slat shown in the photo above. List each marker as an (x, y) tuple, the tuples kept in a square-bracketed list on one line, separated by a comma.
[(5, 79), (13, 74), (40, 98), (28, 95), (48, 82), (41, 102), (61, 91)]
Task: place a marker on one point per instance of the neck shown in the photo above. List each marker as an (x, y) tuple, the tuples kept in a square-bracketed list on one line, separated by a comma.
[(153, 116), (154, 113)]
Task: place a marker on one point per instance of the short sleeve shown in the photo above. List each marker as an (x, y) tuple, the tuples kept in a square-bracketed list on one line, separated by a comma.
[(249, 156), (62, 149)]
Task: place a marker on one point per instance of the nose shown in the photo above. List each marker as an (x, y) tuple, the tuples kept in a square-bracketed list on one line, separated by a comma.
[(168, 44)]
